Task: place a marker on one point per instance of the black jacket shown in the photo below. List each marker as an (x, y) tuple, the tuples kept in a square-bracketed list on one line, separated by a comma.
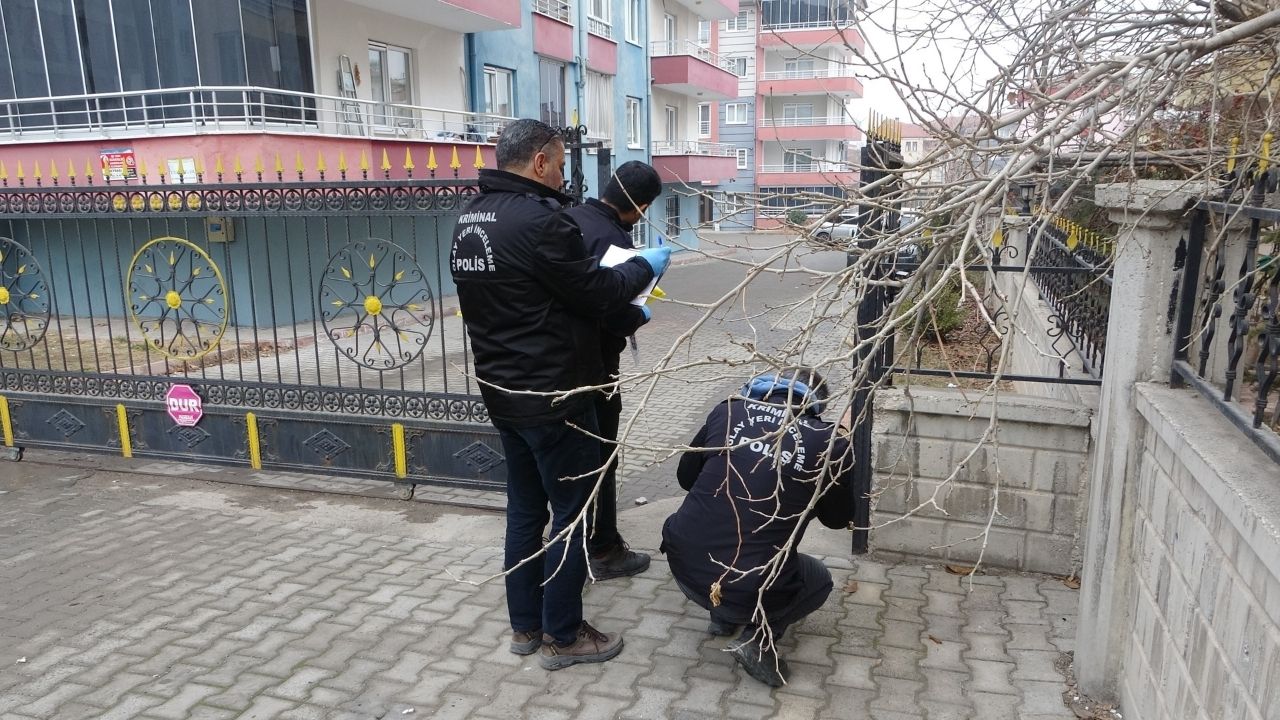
[(532, 298), (601, 227), (767, 473)]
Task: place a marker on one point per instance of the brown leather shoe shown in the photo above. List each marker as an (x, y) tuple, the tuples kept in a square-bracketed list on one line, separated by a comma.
[(591, 646), (526, 643)]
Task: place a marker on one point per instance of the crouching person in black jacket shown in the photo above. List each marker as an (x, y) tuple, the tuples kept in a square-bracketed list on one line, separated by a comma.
[(767, 453), (532, 299)]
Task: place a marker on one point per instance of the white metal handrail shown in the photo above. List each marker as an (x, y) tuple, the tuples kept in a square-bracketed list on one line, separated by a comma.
[(827, 24), (809, 167), (668, 48), (596, 26), (558, 9), (805, 121), (826, 72), (204, 109), (693, 147)]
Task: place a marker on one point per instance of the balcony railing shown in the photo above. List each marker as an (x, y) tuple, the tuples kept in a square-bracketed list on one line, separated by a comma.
[(558, 9), (199, 110), (596, 26), (667, 48), (805, 121), (808, 167), (693, 147), (810, 74)]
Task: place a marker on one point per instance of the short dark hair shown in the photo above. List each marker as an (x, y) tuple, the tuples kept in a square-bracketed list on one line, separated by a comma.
[(633, 184), (521, 140)]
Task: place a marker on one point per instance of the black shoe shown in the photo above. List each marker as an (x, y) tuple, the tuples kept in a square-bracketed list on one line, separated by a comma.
[(763, 665), (720, 628), (618, 561)]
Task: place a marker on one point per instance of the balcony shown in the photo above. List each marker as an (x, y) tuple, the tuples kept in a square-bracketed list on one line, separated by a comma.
[(836, 127), (557, 9), (711, 9), (690, 161), (835, 80), (234, 109), (687, 68), (464, 16), (807, 36), (806, 174)]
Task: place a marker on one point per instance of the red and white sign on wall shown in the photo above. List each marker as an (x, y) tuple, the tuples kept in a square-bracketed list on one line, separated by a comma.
[(184, 405), (118, 164)]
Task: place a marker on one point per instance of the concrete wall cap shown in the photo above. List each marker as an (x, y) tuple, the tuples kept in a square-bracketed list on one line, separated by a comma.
[(1151, 196), (1011, 406)]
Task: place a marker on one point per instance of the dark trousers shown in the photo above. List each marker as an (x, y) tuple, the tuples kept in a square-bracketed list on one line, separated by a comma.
[(538, 459), (606, 536), (815, 587)]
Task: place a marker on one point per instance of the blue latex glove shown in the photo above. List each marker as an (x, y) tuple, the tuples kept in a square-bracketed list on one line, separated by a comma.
[(657, 257), (648, 314)]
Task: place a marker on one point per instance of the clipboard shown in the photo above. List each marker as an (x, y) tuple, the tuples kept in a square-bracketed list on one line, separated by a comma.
[(616, 256)]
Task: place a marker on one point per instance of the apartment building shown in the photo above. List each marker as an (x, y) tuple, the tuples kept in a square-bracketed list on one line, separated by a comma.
[(177, 85)]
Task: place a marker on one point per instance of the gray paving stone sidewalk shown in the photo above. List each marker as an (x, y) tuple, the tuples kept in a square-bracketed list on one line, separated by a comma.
[(123, 597)]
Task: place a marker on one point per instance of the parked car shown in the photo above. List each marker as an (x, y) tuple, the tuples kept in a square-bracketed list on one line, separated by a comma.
[(840, 231)]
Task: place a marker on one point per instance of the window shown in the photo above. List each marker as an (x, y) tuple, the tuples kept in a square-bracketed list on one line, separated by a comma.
[(798, 160), (799, 68), (391, 84), (706, 210), (735, 114), (739, 66), (558, 9), (599, 119), (743, 160), (704, 32), (634, 122), (671, 41), (794, 114), (499, 94), (600, 18), (551, 93), (635, 16), (672, 116), (673, 215), (742, 23), (704, 120)]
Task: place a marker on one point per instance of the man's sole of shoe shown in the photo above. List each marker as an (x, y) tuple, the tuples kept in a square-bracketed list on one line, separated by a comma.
[(560, 662), (604, 574), (759, 667)]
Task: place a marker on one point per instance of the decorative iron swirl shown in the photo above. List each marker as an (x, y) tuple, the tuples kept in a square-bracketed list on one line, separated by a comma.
[(24, 298), (177, 298), (376, 304)]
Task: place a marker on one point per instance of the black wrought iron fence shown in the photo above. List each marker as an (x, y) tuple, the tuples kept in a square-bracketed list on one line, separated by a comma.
[(1071, 267), (1227, 335)]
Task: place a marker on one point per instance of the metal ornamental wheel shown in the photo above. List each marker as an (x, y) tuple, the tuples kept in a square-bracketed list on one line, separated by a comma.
[(24, 298), (177, 297), (376, 305)]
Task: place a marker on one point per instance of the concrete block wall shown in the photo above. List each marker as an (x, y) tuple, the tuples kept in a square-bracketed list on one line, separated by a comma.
[(1205, 614), (1033, 468)]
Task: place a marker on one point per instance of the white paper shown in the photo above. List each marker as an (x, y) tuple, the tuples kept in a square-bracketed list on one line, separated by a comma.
[(616, 256)]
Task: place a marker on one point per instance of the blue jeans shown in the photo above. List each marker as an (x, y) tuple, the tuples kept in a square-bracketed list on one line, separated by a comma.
[(538, 458)]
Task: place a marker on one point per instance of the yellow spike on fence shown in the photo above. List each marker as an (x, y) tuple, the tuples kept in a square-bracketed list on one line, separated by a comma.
[(21, 175), (342, 162), (1231, 154), (320, 166), (297, 163), (364, 162), (479, 163), (455, 163), (386, 162), (258, 165), (431, 159), (53, 171), (199, 165), (36, 173), (142, 167), (1265, 160), (237, 167), (1073, 239), (88, 169), (279, 167), (71, 170), (408, 160), (217, 165), (4, 172)]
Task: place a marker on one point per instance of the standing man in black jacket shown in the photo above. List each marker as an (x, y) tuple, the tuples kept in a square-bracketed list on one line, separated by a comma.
[(607, 222), (532, 299), (767, 453)]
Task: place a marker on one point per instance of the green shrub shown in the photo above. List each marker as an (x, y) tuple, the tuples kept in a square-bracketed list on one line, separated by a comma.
[(942, 317), (797, 217)]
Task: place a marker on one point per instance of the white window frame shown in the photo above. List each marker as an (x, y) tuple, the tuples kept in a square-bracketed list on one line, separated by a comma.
[(732, 109), (635, 16), (494, 74), (744, 159), (704, 120), (739, 23), (600, 18), (387, 118), (635, 122), (740, 65), (704, 33), (599, 106), (798, 160)]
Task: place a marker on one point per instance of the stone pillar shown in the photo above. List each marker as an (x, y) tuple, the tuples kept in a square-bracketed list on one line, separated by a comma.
[(1152, 215)]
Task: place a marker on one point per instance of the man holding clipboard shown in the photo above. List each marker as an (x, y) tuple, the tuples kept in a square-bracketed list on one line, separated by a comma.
[(606, 228)]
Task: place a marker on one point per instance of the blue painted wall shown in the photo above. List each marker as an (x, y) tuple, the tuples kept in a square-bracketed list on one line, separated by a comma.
[(745, 181)]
